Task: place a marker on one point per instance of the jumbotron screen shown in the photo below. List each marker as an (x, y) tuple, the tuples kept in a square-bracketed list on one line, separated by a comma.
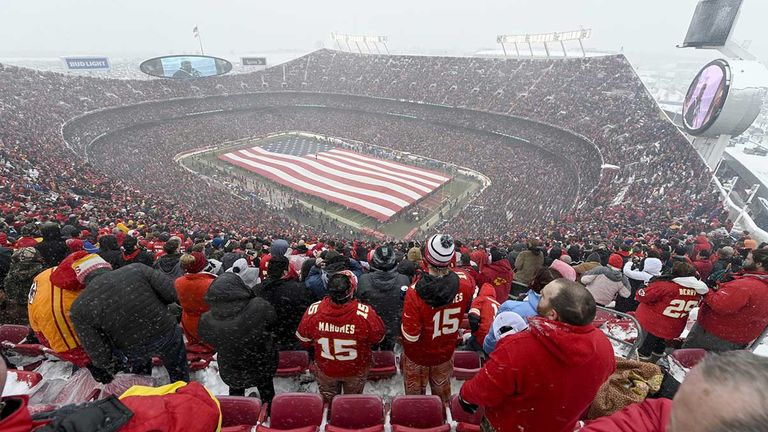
[(706, 97), (185, 66)]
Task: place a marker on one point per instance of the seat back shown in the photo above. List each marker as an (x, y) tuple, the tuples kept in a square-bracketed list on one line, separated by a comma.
[(30, 378), (466, 364), (357, 411), (459, 415), (13, 333), (417, 411), (384, 365), (296, 410), (688, 357), (239, 410), (292, 363)]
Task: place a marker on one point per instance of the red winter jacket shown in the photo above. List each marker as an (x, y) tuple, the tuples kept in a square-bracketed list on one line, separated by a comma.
[(480, 257), (484, 308), (542, 379), (704, 267), (738, 310), (432, 313), (652, 415), (190, 409), (18, 418), (664, 305), (191, 289), (499, 274), (702, 243)]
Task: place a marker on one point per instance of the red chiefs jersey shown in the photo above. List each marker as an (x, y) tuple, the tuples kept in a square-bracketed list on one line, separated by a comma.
[(665, 304), (430, 333), (485, 307), (342, 336)]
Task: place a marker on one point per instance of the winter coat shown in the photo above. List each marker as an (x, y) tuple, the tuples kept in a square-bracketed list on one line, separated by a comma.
[(15, 417), (110, 251), (5, 261), (525, 308), (526, 266), (605, 283), (169, 265), (407, 268), (52, 248), (19, 279), (542, 379), (229, 259), (383, 291), (652, 415), (480, 258), (738, 310), (593, 260), (637, 279), (140, 256), (124, 308), (237, 326), (49, 314), (704, 267), (191, 289), (176, 407), (499, 275), (483, 311), (318, 278), (665, 303), (564, 269), (702, 243), (447, 298), (290, 299)]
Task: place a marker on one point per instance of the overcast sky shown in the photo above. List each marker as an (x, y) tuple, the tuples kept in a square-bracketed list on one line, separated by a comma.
[(147, 27)]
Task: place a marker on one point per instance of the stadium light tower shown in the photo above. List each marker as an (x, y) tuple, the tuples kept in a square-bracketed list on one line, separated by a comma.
[(358, 39), (544, 38)]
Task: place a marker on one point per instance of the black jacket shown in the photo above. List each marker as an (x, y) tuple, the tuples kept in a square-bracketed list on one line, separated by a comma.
[(437, 291), (382, 290), (143, 257), (290, 298), (109, 250), (237, 326), (52, 248), (229, 258), (169, 264), (126, 307)]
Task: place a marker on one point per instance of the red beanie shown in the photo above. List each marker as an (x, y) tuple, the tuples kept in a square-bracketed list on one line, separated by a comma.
[(616, 261)]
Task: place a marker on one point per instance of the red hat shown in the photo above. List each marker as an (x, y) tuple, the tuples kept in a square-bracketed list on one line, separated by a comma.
[(64, 275), (87, 265), (75, 245), (616, 261)]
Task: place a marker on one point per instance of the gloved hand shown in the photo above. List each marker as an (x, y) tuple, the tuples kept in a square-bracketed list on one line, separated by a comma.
[(100, 375), (474, 322), (466, 406)]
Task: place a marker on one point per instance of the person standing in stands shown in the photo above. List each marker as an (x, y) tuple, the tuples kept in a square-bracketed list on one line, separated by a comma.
[(638, 273), (383, 289), (168, 263), (289, 297), (735, 313), (432, 312), (543, 379), (124, 313), (527, 264), (26, 263), (342, 331), (52, 248), (191, 289), (133, 253), (497, 273), (237, 326), (481, 314)]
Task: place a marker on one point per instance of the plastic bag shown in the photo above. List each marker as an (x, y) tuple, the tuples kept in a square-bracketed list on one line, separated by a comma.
[(81, 387)]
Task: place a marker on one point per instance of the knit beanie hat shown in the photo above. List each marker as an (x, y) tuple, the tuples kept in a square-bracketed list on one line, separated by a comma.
[(615, 261), (87, 265), (194, 262), (439, 250), (414, 254), (75, 245), (64, 277)]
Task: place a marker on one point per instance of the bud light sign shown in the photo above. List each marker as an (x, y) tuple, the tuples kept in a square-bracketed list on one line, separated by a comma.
[(85, 63)]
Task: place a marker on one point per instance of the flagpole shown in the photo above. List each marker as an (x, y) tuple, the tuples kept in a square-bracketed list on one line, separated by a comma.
[(200, 40)]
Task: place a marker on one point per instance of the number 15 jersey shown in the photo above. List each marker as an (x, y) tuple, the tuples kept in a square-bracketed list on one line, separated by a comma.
[(432, 314), (342, 336)]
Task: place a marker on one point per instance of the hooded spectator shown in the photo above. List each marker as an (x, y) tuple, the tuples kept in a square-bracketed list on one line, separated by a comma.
[(736, 312), (497, 273), (278, 247), (465, 265), (333, 262), (133, 253), (26, 263), (564, 269), (527, 264), (109, 250), (290, 299), (53, 249), (124, 313), (383, 289), (664, 307), (249, 275), (606, 282), (561, 349), (169, 262), (232, 253), (638, 274), (703, 264), (190, 290), (481, 315), (237, 326), (592, 261)]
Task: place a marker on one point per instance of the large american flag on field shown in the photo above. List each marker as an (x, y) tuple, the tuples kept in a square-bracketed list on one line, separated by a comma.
[(375, 187)]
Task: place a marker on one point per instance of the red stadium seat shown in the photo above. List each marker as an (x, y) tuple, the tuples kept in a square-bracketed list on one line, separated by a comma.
[(199, 356), (418, 413), (295, 412), (29, 377), (356, 413), (465, 422), (239, 410), (384, 366), (689, 357), (12, 333), (466, 364), (292, 363)]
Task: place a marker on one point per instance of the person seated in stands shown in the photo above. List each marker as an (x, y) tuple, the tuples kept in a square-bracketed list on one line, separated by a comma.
[(544, 378), (342, 331), (498, 273), (723, 393), (527, 264), (26, 263), (606, 282), (481, 315), (52, 248), (528, 308)]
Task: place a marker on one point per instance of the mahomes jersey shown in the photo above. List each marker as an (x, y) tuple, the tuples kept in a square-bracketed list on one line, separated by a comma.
[(342, 336)]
